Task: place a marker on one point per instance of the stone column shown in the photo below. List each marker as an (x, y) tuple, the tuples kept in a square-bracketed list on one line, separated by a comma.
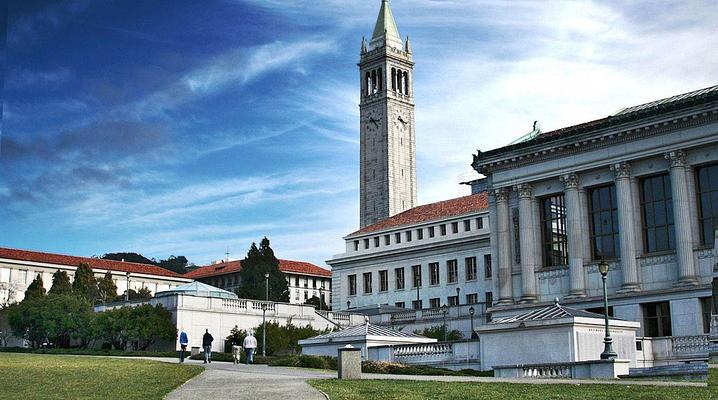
[(626, 230), (503, 239), (574, 239), (682, 219), (585, 226), (526, 244)]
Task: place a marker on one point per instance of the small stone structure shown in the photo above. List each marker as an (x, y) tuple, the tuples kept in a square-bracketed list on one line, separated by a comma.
[(349, 363), (551, 336), (595, 369)]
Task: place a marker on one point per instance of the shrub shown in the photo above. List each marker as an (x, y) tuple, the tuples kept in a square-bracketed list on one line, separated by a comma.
[(305, 361), (437, 332), (376, 367)]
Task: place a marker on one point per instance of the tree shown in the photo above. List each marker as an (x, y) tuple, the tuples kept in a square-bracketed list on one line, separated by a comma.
[(60, 283), (135, 327), (175, 264), (318, 303), (85, 283), (437, 332), (142, 294), (106, 288), (129, 257), (56, 319), (258, 262), (36, 288)]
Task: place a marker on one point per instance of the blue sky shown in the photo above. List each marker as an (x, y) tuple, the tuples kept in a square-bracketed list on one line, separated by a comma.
[(186, 127)]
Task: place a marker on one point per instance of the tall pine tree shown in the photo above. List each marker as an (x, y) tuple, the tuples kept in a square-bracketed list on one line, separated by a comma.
[(60, 283), (85, 284), (36, 289), (106, 288), (258, 262)]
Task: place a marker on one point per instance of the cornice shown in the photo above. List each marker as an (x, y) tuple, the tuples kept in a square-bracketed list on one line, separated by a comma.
[(570, 145)]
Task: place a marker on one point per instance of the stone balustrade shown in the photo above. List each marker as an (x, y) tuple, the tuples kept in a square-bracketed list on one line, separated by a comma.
[(546, 371), (690, 344), (424, 350), (232, 304)]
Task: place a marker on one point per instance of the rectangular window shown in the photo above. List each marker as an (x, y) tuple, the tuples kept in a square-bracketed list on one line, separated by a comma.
[(657, 319), (488, 273), (367, 282), (399, 275), (376, 241), (657, 210), (296, 295), (603, 215), (706, 307), (453, 300), (366, 243), (408, 236), (314, 283), (416, 304), (489, 299), (356, 245), (479, 223), (306, 282), (454, 227), (352, 285), (296, 281), (431, 232), (472, 298), (467, 225), (306, 295), (383, 280), (416, 275), (387, 240), (452, 271), (397, 238), (470, 268), (400, 304), (435, 302), (707, 178), (419, 234), (553, 221), (433, 273), (442, 228)]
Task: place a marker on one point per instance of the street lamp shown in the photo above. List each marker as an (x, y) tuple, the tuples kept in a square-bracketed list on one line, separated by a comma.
[(445, 309), (349, 304), (264, 313), (391, 321), (458, 298), (608, 353), (127, 291), (471, 313)]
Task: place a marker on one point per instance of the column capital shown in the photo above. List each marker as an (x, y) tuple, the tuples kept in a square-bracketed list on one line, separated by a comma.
[(677, 158), (525, 190), (501, 194), (621, 170), (570, 181)]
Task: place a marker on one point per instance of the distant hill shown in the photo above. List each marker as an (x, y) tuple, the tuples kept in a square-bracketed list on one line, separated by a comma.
[(178, 264)]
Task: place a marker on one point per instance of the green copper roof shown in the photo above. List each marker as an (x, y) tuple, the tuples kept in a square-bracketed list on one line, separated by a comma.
[(385, 24)]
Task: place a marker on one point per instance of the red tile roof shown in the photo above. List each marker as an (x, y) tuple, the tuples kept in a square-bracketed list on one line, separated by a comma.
[(97, 263), (287, 266), (430, 212)]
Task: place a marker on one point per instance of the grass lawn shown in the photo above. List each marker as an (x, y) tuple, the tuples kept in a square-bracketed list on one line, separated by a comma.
[(415, 390), (36, 376)]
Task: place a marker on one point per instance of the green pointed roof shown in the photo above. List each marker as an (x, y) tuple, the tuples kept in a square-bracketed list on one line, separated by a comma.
[(386, 28)]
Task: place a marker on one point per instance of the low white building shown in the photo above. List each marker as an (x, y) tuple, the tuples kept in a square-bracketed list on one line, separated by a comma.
[(18, 268)]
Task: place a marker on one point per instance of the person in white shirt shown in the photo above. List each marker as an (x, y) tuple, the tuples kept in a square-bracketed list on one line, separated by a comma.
[(250, 344)]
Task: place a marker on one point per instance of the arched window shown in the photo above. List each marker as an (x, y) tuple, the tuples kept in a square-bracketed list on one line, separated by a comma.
[(373, 81), (367, 82), (406, 83), (399, 85), (393, 79), (380, 75)]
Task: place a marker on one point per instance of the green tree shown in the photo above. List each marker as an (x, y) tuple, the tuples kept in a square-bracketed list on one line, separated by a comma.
[(318, 303), (284, 339), (175, 264), (60, 283), (36, 288), (135, 328), (261, 261), (106, 288), (56, 319), (85, 283), (437, 332)]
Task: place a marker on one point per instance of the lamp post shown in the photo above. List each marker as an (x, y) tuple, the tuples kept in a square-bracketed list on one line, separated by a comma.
[(458, 298), (418, 299), (608, 353), (127, 291), (445, 309), (264, 313), (349, 304), (391, 321), (471, 313)]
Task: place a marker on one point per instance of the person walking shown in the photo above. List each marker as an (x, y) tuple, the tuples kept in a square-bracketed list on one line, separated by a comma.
[(183, 341), (250, 344), (207, 344)]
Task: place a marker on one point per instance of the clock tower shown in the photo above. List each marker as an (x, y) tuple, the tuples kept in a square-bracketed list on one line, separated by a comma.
[(387, 133)]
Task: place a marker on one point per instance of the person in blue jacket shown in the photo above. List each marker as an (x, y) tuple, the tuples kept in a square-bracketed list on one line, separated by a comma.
[(183, 341)]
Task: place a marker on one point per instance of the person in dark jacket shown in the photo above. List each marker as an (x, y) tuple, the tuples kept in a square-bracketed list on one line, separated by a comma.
[(207, 344), (183, 341)]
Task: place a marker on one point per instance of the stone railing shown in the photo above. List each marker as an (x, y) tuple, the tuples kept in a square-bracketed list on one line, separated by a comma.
[(404, 316), (232, 304), (546, 371), (424, 350), (339, 318), (432, 313), (714, 328), (690, 344), (258, 305)]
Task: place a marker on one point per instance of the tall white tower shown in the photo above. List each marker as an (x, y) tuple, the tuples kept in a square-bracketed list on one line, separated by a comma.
[(387, 134)]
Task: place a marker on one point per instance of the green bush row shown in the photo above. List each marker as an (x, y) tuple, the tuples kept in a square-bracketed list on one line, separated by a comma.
[(89, 352)]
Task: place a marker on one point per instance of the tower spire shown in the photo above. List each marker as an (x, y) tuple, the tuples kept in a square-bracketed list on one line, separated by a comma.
[(385, 29)]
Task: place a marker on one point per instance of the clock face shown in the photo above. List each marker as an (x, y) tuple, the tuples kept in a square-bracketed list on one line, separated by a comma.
[(401, 120), (373, 120)]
